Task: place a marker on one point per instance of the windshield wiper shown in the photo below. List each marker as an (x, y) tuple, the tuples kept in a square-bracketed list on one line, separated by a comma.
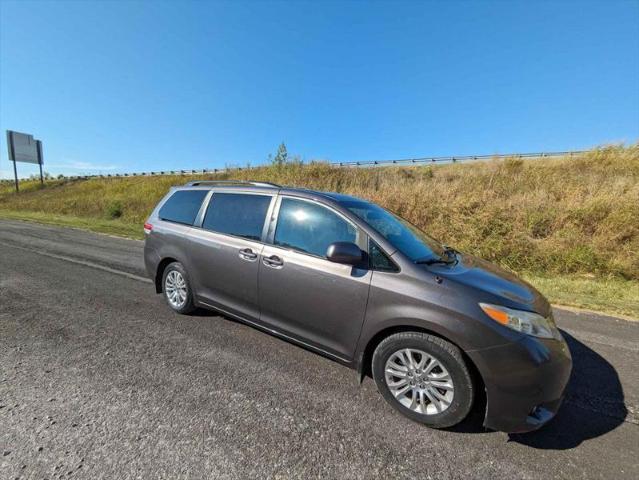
[(450, 258), (433, 261), (450, 252)]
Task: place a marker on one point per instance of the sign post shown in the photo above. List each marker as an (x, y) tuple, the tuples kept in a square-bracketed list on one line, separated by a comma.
[(24, 148), (40, 160)]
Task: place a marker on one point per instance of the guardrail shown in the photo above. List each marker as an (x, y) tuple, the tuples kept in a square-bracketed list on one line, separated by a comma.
[(365, 163)]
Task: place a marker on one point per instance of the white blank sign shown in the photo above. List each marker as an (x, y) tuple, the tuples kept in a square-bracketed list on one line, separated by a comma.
[(24, 148)]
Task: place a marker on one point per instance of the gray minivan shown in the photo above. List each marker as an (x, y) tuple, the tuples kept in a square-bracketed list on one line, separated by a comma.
[(350, 280)]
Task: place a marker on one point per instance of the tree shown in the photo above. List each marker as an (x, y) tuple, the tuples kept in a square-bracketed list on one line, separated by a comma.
[(281, 157)]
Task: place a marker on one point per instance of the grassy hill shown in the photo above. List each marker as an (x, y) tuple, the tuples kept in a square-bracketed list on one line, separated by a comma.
[(569, 225)]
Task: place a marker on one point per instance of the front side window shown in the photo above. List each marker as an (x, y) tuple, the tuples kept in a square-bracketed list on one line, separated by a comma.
[(310, 228), (379, 260), (183, 206), (241, 215), (405, 237)]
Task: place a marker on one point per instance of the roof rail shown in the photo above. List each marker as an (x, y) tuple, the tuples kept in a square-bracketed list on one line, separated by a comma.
[(231, 182)]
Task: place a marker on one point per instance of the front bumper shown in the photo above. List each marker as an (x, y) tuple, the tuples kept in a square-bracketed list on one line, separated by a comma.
[(525, 382)]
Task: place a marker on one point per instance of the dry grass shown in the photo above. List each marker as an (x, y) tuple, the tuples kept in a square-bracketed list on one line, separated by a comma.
[(562, 216), (570, 226)]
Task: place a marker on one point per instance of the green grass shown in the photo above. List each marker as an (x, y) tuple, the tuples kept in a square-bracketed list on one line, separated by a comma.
[(614, 296), (570, 224), (110, 227)]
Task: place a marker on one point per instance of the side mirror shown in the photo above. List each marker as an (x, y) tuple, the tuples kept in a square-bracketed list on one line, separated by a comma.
[(344, 252)]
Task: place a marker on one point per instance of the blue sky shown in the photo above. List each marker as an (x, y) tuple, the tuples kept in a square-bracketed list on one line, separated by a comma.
[(135, 86)]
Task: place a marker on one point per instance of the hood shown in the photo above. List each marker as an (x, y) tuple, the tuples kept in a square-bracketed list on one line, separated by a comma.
[(502, 286)]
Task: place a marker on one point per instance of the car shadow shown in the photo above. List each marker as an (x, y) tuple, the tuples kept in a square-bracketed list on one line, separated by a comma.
[(203, 312), (594, 403)]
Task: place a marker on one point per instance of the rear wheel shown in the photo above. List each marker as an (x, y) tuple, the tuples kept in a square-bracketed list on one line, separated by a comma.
[(424, 377), (176, 288)]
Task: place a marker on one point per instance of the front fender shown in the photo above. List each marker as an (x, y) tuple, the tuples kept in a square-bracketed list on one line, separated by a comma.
[(401, 303), (428, 321)]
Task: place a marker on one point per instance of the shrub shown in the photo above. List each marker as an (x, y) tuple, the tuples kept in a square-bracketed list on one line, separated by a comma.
[(114, 209)]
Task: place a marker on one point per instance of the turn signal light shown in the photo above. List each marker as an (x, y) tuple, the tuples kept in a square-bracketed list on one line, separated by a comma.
[(497, 315)]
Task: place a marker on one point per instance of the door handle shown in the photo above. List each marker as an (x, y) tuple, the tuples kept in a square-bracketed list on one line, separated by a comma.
[(273, 261), (248, 254)]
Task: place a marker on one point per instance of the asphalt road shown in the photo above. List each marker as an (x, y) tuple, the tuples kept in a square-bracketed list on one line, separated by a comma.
[(99, 379)]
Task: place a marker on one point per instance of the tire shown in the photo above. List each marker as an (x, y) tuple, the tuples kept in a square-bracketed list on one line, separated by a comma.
[(178, 295), (415, 402)]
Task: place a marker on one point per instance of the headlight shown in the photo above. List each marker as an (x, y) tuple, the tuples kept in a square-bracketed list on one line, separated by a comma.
[(522, 321)]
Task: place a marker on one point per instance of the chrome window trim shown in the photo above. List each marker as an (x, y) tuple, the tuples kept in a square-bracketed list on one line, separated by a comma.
[(361, 235)]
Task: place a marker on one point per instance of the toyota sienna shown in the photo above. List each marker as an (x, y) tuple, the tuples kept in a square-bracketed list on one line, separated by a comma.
[(346, 278)]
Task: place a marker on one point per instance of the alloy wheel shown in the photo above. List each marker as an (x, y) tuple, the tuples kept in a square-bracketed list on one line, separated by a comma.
[(176, 289), (419, 381)]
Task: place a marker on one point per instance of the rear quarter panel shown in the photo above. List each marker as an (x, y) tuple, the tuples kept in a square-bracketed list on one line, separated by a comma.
[(167, 240)]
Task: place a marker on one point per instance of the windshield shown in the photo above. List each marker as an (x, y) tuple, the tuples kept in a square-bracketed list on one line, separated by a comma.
[(407, 238)]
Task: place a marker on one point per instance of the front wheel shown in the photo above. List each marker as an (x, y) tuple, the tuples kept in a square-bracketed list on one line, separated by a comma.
[(176, 288), (424, 377)]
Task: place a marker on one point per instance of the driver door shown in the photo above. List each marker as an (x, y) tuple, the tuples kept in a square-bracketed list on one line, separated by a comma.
[(301, 293)]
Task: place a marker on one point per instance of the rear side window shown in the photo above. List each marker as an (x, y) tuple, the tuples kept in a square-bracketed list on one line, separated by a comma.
[(310, 228), (182, 206), (237, 214)]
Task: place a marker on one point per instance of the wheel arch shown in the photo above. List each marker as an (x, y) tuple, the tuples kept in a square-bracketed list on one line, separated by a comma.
[(364, 363), (159, 272)]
